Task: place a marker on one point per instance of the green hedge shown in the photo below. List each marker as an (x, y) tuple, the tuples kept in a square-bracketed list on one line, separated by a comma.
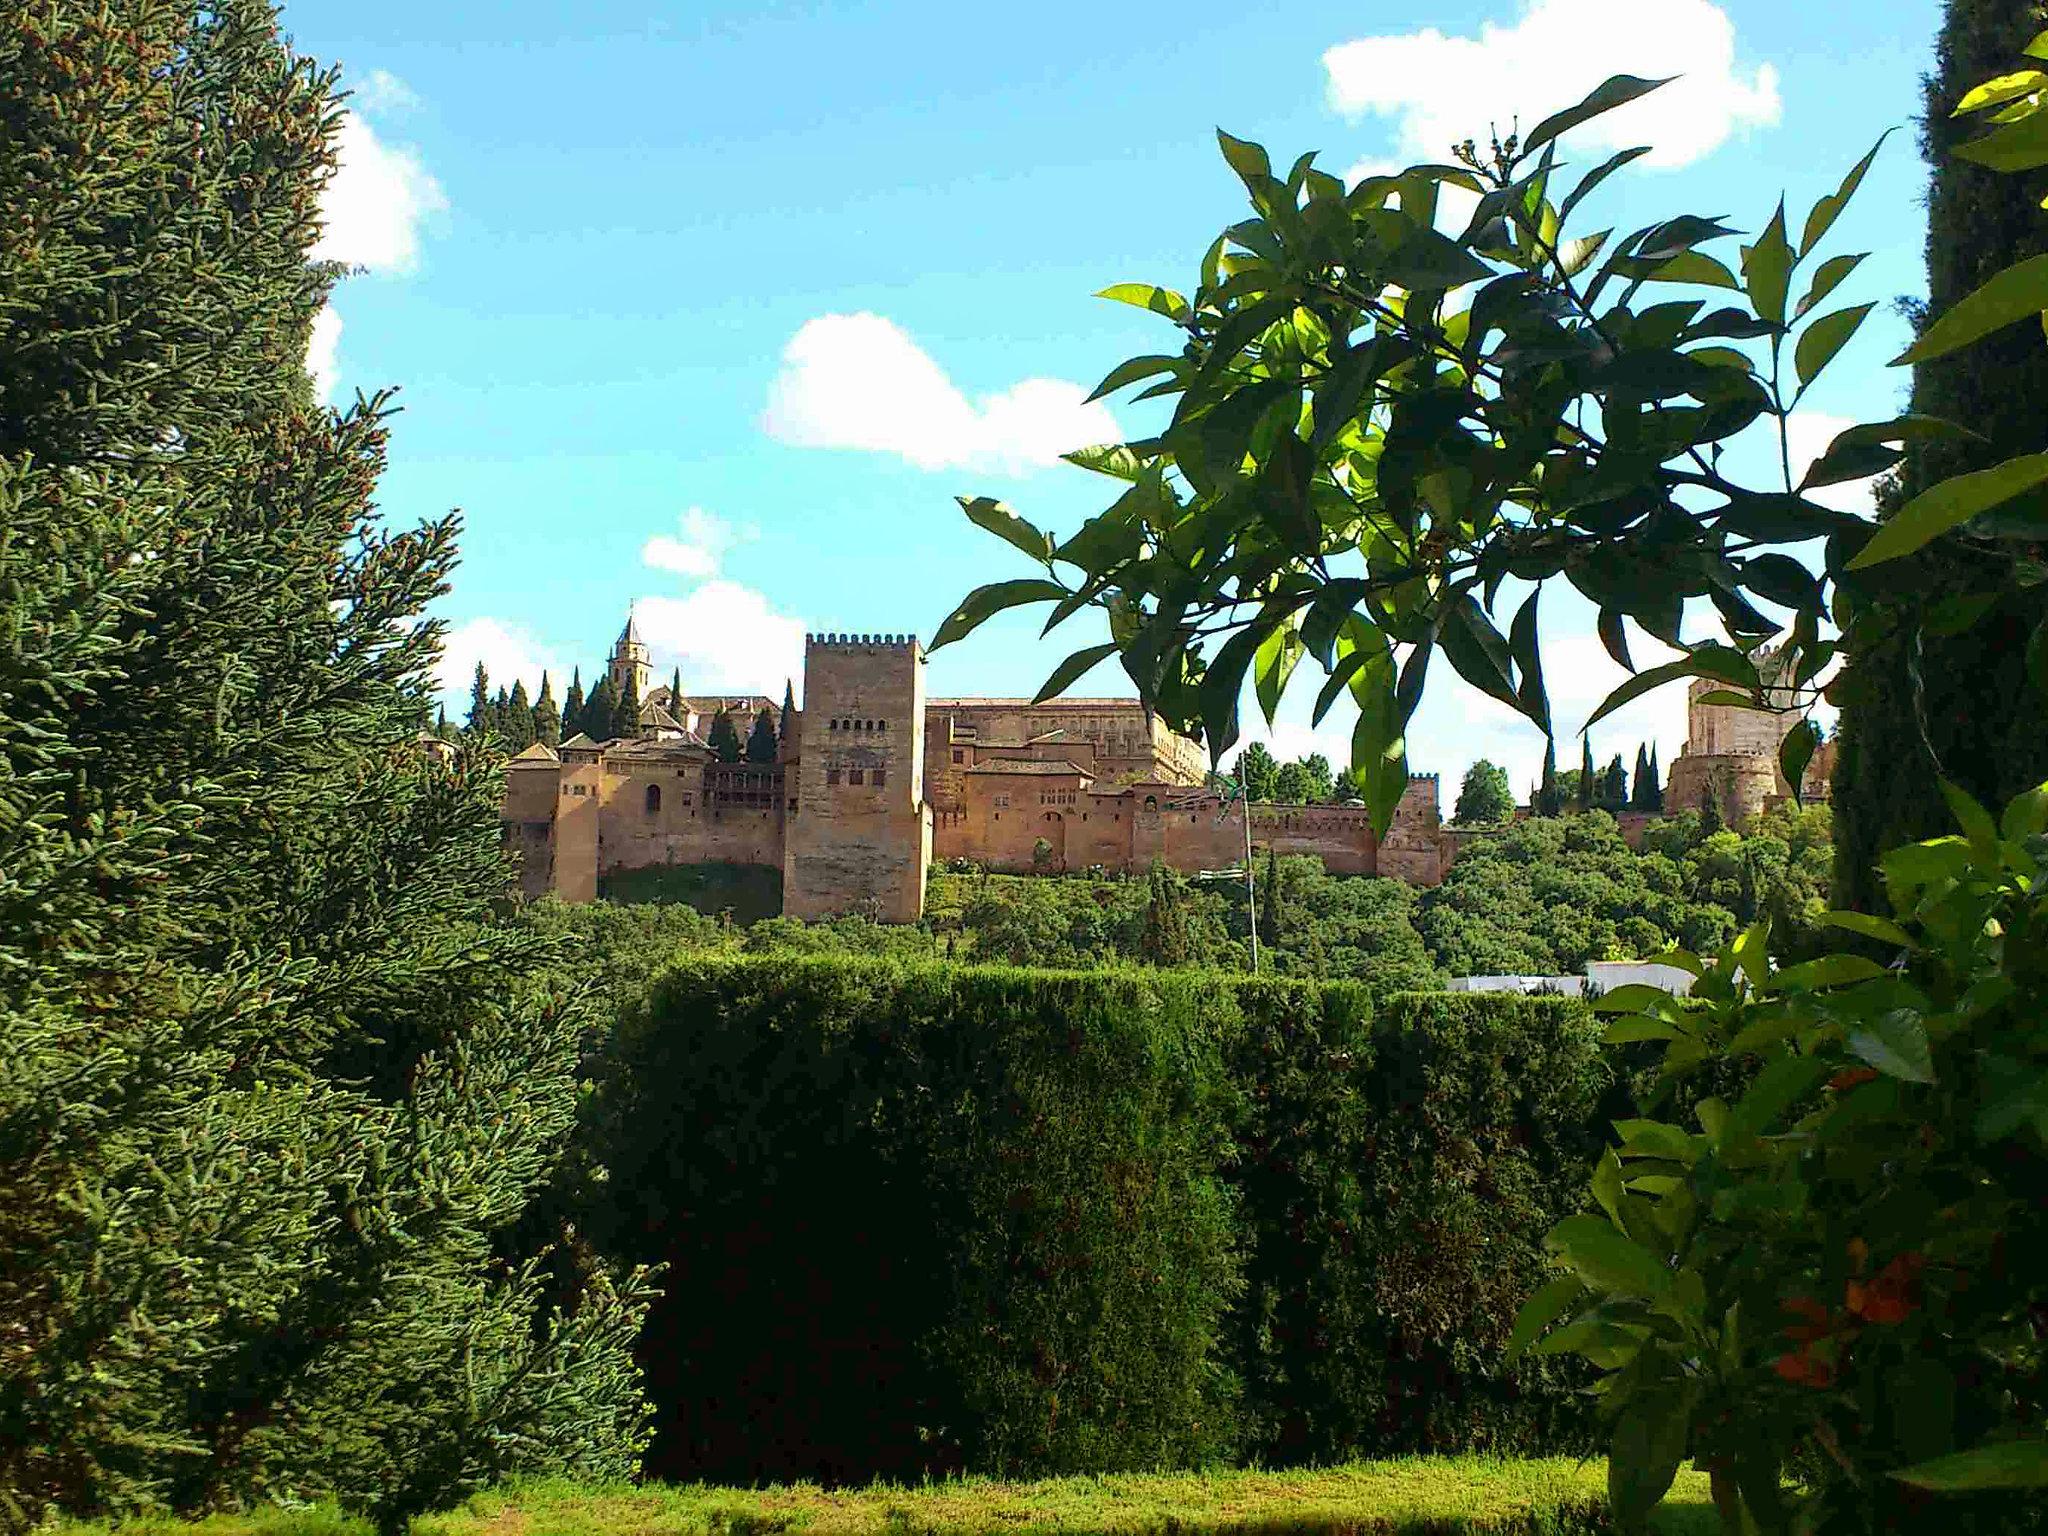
[(923, 1219)]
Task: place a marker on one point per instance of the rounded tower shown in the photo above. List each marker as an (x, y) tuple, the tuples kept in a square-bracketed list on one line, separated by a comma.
[(630, 661)]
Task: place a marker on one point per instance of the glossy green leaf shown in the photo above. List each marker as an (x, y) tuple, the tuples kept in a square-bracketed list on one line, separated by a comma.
[(998, 519), (1775, 1089), (1795, 752), (1113, 459), (1070, 671), (1880, 928), (1845, 457), (985, 602), (1133, 370), (1896, 1045), (1695, 267), (2018, 293), (1638, 1027), (1721, 662), (1606, 1259), (1829, 208), (1523, 647), (1273, 665), (2001, 89), (1827, 971), (1973, 819), (1767, 268), (1643, 1457), (1950, 504), (2007, 1464), (1827, 277), (1821, 340), (2019, 145), (1552, 1300), (1160, 301), (1615, 91), (1246, 158)]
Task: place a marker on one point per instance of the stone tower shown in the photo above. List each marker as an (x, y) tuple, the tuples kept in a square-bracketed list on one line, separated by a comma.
[(629, 659), (860, 837)]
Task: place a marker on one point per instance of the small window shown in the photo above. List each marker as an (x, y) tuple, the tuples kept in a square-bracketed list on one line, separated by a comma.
[(831, 725), (881, 725), (880, 778), (959, 757), (854, 775), (653, 799), (831, 775)]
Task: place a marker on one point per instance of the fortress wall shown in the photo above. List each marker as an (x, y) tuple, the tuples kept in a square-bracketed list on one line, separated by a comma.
[(682, 829), (1122, 744), (852, 845), (577, 825), (528, 823)]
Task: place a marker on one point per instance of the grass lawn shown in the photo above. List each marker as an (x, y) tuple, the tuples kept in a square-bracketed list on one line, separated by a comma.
[(1421, 1495)]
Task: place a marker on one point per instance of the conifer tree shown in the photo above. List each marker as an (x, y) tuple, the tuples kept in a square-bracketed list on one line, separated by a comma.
[(277, 1083), (519, 719), (761, 739), (1549, 801), (1167, 937), (478, 721), (442, 728), (724, 738), (601, 709), (1639, 791), (574, 708), (1984, 716), (1655, 800), (501, 714), (1613, 789), (675, 693), (547, 719), (786, 722), (625, 722), (1588, 787)]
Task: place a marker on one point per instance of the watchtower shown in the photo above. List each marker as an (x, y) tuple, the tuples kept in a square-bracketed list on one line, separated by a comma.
[(860, 837)]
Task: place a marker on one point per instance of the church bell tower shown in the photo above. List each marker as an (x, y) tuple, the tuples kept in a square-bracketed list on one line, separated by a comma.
[(629, 660)]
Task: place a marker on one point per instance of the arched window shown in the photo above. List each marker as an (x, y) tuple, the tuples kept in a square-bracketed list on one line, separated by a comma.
[(653, 799)]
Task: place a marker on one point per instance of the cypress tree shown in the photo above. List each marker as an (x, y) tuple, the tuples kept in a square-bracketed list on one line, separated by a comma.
[(1639, 791), (601, 710), (625, 723), (1655, 799), (478, 721), (675, 693), (1548, 802), (547, 720), (519, 719), (725, 738), (501, 714), (574, 708), (1587, 788), (1985, 721), (761, 739), (1614, 785), (786, 722), (278, 1083)]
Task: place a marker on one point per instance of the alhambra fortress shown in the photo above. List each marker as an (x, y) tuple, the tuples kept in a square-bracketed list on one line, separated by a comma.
[(873, 781)]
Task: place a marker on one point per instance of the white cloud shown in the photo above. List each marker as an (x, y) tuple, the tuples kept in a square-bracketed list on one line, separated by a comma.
[(373, 205), (382, 91), (1454, 205), (706, 540), (1807, 435), (1442, 89), (725, 637), (322, 349), (508, 653), (858, 381)]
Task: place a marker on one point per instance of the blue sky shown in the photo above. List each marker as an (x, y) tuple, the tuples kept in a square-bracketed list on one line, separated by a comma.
[(713, 309)]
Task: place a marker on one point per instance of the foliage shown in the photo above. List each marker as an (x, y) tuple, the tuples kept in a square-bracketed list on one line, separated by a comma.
[(1929, 700), (724, 738), (1843, 1260), (547, 718), (1484, 798), (920, 1218), (277, 1083), (600, 710), (1415, 1496), (761, 739), (1257, 773), (625, 721)]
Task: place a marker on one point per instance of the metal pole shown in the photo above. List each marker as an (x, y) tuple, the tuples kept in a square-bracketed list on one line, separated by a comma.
[(1251, 891)]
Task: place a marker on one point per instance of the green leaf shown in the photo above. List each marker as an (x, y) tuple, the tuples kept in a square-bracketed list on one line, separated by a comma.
[(1767, 268), (1848, 454), (1879, 928), (1615, 91), (1273, 665), (1528, 659), (1223, 685), (1827, 277), (2019, 145), (1133, 370), (1606, 1259), (1643, 1458), (1607, 1187), (1615, 638), (1722, 662), (1829, 208), (986, 512), (1820, 341), (1594, 177), (1999, 90), (1896, 1045), (1246, 158), (2038, 48), (1827, 971), (2017, 293), (2026, 815), (1949, 504), (983, 603), (1068, 672), (1775, 1089), (1379, 742), (1695, 267), (1113, 459), (1477, 652), (1795, 752), (2007, 1464), (1160, 301), (1973, 819), (1552, 1300), (1638, 1027)]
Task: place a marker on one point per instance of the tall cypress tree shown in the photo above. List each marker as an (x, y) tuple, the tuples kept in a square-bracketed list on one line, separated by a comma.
[(547, 719), (761, 739), (724, 738), (1639, 791), (478, 720), (574, 707), (601, 709), (501, 714), (1587, 790), (626, 716), (675, 693), (786, 722), (1613, 793), (1655, 799), (519, 719), (1985, 723), (277, 1081), (1548, 802)]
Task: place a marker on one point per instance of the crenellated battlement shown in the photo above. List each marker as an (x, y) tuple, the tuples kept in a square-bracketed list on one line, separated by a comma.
[(837, 641)]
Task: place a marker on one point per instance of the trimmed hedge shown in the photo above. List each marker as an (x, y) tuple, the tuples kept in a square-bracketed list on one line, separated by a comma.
[(922, 1219)]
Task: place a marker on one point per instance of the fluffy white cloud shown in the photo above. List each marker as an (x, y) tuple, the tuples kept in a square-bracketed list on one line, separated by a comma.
[(1441, 89), (322, 353), (373, 205), (705, 540), (858, 381), (382, 91), (508, 653), (725, 637)]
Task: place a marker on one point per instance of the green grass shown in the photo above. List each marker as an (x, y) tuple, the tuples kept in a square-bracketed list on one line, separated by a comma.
[(1425, 1496)]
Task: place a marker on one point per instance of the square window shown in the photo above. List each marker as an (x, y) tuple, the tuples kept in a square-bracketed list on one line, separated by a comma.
[(855, 775), (831, 775), (959, 757), (880, 778)]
